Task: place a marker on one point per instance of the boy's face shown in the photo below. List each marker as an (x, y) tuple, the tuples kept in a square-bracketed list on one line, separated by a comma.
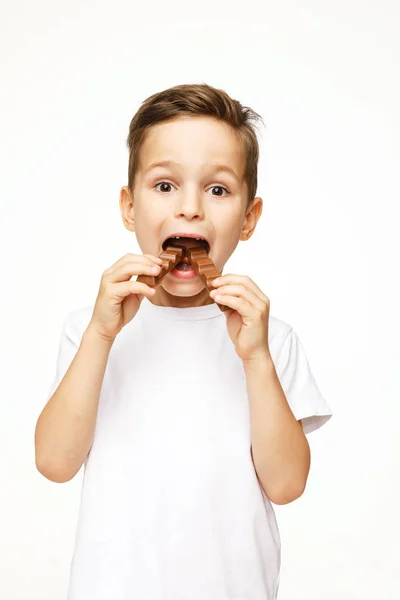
[(190, 196)]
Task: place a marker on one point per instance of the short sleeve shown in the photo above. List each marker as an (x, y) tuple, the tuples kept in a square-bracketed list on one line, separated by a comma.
[(297, 381), (68, 346)]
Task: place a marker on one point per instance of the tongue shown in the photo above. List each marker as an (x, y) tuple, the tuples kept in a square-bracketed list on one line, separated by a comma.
[(184, 267)]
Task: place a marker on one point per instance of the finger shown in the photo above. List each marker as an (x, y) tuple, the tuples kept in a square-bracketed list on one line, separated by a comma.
[(157, 259), (241, 279), (243, 307), (127, 258), (239, 291), (126, 271), (124, 288)]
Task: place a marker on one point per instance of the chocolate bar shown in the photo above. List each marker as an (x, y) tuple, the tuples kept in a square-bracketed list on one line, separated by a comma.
[(205, 269), (170, 257), (198, 257)]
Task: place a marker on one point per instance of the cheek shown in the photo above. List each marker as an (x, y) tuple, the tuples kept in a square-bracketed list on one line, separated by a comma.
[(227, 239), (229, 231)]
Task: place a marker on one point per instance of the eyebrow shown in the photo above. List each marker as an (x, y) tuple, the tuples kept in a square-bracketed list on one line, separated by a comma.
[(217, 168)]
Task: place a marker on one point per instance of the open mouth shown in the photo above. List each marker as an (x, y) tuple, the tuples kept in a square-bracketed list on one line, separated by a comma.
[(184, 270), (187, 243)]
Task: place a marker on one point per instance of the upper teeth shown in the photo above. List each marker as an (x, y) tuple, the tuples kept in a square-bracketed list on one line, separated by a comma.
[(178, 237)]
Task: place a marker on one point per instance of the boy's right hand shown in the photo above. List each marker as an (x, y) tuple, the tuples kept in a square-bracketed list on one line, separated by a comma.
[(119, 298)]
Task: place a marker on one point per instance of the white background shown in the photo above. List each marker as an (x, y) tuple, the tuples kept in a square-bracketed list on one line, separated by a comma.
[(325, 78)]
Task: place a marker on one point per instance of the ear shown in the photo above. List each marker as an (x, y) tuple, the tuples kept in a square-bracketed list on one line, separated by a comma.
[(126, 208), (253, 213)]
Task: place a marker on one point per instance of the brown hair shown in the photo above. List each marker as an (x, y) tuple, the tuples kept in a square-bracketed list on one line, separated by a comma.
[(196, 99)]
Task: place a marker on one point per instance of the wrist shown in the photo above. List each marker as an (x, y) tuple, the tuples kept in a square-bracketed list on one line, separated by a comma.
[(263, 360), (94, 335)]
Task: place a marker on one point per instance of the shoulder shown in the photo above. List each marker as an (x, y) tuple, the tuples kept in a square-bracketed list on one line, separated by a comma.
[(79, 319), (278, 331)]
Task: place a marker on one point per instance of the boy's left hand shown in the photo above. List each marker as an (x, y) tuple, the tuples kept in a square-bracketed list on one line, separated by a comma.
[(247, 321)]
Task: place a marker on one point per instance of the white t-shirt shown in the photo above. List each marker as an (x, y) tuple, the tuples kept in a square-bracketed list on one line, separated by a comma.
[(171, 506)]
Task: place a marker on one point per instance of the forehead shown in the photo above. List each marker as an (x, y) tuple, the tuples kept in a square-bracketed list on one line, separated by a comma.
[(193, 142)]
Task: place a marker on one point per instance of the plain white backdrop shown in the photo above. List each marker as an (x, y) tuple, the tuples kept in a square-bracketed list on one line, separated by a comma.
[(325, 78)]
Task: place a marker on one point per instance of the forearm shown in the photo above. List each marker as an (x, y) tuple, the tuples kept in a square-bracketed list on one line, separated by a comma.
[(280, 449), (65, 428)]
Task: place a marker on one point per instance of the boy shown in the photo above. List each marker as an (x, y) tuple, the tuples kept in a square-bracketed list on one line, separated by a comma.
[(189, 420)]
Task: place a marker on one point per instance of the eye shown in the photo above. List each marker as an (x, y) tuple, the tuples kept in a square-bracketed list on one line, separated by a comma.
[(219, 187), (165, 183)]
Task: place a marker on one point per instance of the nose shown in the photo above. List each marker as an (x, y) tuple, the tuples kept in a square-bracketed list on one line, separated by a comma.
[(190, 205)]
